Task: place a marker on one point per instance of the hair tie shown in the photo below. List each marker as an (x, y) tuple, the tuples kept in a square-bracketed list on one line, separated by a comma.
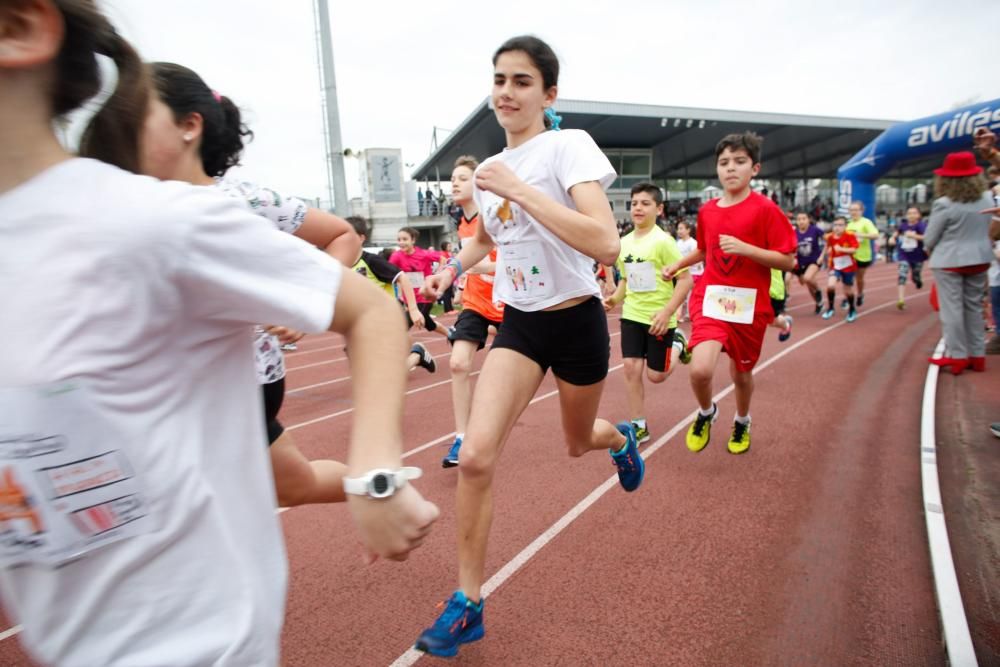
[(217, 96), (554, 120)]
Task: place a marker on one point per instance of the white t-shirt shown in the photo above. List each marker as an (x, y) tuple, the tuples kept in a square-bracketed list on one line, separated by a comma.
[(135, 302), (994, 273), (688, 246), (287, 215), (535, 269)]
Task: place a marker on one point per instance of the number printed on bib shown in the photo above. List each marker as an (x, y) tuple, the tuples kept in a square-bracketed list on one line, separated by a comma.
[(67, 486), (641, 276), (416, 279), (908, 243), (525, 267), (730, 304), (842, 262)]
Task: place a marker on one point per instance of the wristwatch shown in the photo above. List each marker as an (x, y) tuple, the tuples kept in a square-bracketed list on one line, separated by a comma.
[(380, 482)]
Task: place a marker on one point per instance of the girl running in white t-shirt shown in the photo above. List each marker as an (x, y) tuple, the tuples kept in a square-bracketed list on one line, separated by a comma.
[(131, 307), (194, 134), (542, 202)]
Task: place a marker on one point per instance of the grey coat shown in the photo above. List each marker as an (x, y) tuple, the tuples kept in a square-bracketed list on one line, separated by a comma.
[(958, 234)]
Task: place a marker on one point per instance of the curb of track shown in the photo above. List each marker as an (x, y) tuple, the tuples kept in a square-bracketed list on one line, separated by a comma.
[(957, 640)]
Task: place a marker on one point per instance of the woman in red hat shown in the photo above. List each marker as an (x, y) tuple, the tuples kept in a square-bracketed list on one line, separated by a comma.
[(958, 239)]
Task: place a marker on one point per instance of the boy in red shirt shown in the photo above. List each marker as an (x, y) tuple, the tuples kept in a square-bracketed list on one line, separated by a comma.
[(741, 237), (841, 246)]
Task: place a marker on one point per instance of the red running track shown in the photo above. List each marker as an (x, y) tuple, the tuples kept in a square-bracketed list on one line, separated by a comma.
[(810, 549)]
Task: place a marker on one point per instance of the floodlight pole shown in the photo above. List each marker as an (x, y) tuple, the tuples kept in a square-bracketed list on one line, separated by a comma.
[(336, 183)]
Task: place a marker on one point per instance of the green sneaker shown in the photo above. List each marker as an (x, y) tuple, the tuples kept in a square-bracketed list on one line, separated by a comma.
[(701, 430), (641, 433), (739, 442), (685, 353)]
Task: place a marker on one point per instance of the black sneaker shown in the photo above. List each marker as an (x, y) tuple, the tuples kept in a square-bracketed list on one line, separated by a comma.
[(918, 282), (426, 360)]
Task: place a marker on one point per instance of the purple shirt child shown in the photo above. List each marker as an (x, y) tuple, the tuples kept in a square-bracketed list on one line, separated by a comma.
[(810, 245), (911, 251)]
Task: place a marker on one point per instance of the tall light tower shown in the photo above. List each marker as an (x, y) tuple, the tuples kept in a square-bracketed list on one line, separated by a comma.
[(336, 183)]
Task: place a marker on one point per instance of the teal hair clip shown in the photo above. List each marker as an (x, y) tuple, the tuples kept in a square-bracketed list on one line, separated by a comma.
[(554, 119)]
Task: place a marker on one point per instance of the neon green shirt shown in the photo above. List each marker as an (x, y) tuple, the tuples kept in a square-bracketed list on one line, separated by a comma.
[(640, 262), (862, 226), (777, 291)]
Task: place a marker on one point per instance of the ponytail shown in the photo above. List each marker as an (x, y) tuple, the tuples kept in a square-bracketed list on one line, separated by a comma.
[(112, 135)]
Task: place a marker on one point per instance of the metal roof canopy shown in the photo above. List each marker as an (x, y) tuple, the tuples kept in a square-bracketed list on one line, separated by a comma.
[(683, 139)]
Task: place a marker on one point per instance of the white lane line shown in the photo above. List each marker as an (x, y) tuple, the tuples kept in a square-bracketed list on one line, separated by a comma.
[(511, 567), (957, 639), (299, 390), (6, 634)]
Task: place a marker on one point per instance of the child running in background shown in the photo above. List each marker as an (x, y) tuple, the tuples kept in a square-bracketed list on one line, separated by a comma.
[(651, 342), (386, 275), (687, 245), (865, 231), (741, 237), (777, 293), (417, 263), (841, 245), (808, 256), (909, 238), (479, 311)]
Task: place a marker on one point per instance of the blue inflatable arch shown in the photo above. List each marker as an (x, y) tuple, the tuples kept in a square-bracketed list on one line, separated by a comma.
[(947, 132)]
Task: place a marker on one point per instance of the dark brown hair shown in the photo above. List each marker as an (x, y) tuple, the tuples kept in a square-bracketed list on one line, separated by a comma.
[(411, 232), (112, 135), (650, 188), (743, 141), (360, 225), (223, 133)]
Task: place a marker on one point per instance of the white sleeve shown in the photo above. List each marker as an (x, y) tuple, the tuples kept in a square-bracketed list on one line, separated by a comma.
[(578, 160), (285, 213), (237, 268)]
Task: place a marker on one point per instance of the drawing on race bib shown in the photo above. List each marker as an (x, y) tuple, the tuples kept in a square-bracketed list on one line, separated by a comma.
[(730, 304), (504, 214), (17, 507)]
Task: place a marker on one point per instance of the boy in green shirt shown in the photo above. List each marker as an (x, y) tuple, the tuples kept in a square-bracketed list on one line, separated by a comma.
[(650, 336), (865, 231)]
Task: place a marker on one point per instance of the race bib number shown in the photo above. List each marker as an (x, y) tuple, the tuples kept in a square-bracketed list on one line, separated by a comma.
[(641, 276), (805, 248), (527, 270), (842, 262), (730, 304), (908, 243), (67, 486), (416, 279)]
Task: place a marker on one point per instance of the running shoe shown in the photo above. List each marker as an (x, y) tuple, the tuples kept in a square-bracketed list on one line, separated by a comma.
[(861, 300), (995, 429), (450, 459), (426, 360), (918, 281), (828, 313), (451, 333), (289, 347), (685, 353), (631, 467), (843, 304), (819, 306), (460, 622), (701, 430), (852, 315), (739, 441), (787, 332), (901, 305), (641, 433)]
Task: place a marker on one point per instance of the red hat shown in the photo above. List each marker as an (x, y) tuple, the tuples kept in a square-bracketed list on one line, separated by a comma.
[(957, 165)]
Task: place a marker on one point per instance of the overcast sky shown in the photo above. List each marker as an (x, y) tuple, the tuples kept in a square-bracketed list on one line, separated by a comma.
[(404, 67)]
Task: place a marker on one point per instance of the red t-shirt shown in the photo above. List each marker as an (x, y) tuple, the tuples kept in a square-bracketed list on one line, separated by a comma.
[(756, 220), (420, 261), (847, 240), (478, 293)]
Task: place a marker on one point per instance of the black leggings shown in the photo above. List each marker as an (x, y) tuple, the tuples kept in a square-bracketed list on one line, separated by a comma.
[(274, 395)]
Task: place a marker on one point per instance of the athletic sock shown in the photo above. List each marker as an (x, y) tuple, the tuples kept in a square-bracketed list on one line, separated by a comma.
[(641, 423), (706, 413), (460, 436), (850, 302), (742, 420), (831, 296)]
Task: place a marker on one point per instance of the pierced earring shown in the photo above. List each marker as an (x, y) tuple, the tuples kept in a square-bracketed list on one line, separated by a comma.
[(188, 138)]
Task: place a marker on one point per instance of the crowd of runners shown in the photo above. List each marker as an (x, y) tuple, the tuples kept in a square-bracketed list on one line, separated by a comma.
[(147, 275)]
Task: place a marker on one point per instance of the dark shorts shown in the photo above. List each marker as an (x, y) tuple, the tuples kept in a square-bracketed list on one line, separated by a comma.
[(778, 306), (425, 310), (800, 270), (472, 326), (638, 343), (864, 265), (273, 394), (574, 342), (846, 277)]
